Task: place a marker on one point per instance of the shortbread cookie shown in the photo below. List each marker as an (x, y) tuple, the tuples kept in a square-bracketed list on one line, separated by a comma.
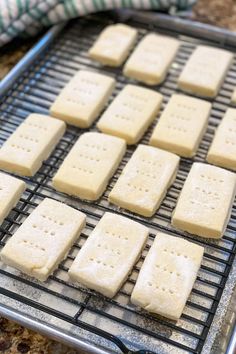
[(113, 45), (32, 142), (11, 189), (89, 165), (205, 203), (109, 254), (44, 239), (145, 180), (181, 125), (83, 98), (223, 148), (167, 276), (233, 98), (130, 114), (205, 71), (151, 59)]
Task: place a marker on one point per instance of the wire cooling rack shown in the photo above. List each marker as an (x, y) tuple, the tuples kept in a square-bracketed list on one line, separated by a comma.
[(70, 312)]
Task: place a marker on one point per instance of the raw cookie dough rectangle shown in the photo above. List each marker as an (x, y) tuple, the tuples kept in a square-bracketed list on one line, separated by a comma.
[(204, 205), (151, 59), (205, 71), (130, 114), (181, 125), (222, 151), (11, 189), (32, 142), (44, 239), (167, 276), (89, 165), (113, 44), (145, 180), (83, 98), (109, 254)]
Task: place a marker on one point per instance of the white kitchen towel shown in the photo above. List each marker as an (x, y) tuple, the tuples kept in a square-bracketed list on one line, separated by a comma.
[(21, 17)]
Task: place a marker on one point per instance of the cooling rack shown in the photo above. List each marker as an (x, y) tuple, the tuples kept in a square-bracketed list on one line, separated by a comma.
[(69, 312)]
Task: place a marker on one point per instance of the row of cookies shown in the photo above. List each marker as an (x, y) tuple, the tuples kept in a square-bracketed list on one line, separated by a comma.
[(179, 129), (203, 74), (143, 183), (108, 255)]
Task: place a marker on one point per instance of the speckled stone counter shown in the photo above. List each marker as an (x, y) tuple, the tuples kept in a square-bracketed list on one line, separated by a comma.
[(17, 339)]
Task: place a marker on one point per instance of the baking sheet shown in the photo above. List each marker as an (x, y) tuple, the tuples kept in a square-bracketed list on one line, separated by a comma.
[(73, 313)]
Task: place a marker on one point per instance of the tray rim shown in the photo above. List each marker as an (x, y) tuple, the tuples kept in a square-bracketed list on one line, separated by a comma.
[(183, 26)]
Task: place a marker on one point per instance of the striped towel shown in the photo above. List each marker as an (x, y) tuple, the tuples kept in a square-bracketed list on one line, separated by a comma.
[(27, 17)]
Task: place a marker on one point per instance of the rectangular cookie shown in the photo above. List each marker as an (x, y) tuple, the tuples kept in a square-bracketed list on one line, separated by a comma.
[(222, 151), (11, 189), (233, 98), (109, 254), (113, 44), (31, 143), (44, 239), (204, 205), (151, 59), (181, 125), (83, 98), (205, 71), (89, 165), (145, 180), (130, 114), (167, 276)]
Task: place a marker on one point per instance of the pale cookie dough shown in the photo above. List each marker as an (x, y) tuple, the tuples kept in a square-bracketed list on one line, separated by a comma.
[(131, 113), (205, 71), (109, 254), (223, 148), (151, 59), (44, 239), (233, 98), (32, 142), (145, 180), (204, 205), (167, 276), (89, 165), (83, 98), (181, 125), (114, 44), (11, 189)]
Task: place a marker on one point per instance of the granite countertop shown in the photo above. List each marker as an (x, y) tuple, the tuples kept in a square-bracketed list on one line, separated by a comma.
[(16, 339), (13, 337)]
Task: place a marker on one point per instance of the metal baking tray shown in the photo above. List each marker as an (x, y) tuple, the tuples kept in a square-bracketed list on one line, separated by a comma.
[(69, 312)]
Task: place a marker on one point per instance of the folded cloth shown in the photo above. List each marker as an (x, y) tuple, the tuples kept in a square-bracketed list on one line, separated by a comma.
[(21, 17)]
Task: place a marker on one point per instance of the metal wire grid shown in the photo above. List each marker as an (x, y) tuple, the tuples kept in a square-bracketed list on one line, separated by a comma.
[(34, 92)]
